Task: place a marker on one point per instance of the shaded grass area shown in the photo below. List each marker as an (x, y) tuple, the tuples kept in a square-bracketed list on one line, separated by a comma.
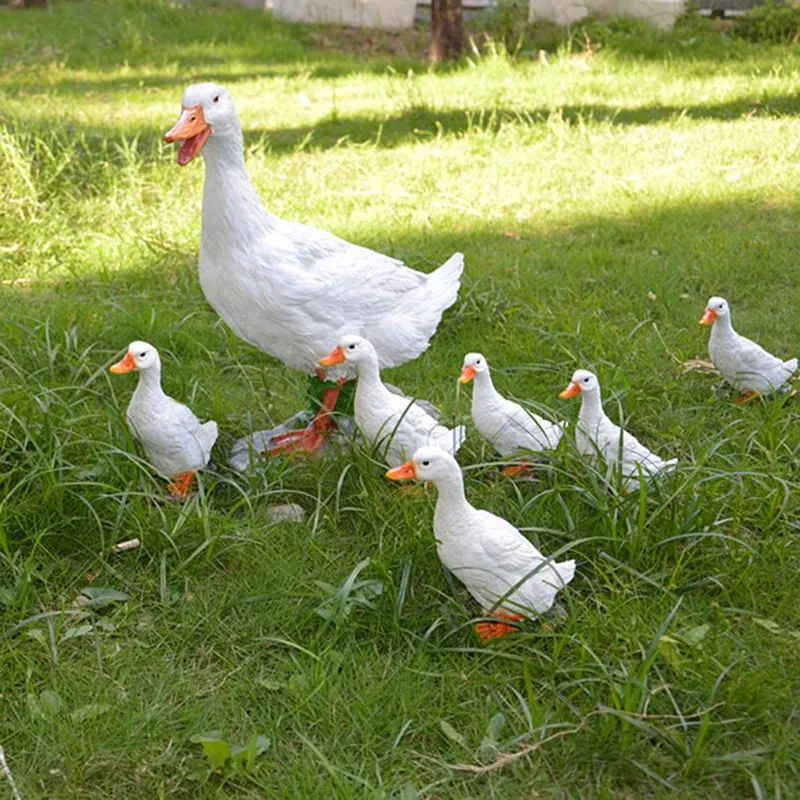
[(599, 201)]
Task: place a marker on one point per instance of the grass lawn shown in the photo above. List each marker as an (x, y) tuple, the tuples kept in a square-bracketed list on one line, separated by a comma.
[(600, 195)]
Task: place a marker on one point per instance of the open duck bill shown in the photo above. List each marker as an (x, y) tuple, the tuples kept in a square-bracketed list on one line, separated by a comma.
[(467, 374), (126, 365), (335, 357), (709, 317), (191, 130), (570, 391), (404, 472)]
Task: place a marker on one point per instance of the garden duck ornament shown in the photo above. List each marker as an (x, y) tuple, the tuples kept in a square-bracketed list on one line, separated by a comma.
[(505, 425), (396, 424), (596, 435), (176, 443), (508, 577), (290, 289), (747, 366)]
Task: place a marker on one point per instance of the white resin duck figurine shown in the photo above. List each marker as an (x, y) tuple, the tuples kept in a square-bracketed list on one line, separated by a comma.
[(596, 434), (502, 570), (175, 441), (506, 425), (290, 289), (396, 423), (748, 367)]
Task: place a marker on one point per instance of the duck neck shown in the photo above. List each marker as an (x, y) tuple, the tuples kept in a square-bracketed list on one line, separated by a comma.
[(451, 494), (723, 328), (149, 386), (369, 376), (484, 387), (591, 406), (231, 205)]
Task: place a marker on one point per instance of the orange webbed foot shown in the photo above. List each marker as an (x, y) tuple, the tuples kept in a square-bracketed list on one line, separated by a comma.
[(181, 483), (746, 397), (515, 470), (494, 630)]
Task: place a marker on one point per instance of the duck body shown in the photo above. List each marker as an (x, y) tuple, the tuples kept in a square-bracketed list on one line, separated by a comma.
[(506, 425), (173, 438), (747, 366), (500, 568), (596, 435), (176, 443), (396, 424), (290, 289)]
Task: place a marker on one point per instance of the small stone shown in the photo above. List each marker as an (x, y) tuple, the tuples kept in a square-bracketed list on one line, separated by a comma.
[(288, 512)]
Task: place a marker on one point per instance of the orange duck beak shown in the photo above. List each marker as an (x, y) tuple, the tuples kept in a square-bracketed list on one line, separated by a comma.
[(709, 317), (191, 130), (404, 472), (570, 391), (467, 374), (126, 365), (334, 357)]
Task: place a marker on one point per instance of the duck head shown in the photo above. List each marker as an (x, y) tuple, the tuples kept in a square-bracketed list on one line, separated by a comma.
[(140, 356), (427, 464), (351, 350), (207, 111), (474, 364), (583, 382), (716, 307)]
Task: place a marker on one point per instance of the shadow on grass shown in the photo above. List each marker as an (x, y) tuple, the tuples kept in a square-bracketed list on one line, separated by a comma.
[(409, 126), (597, 273)]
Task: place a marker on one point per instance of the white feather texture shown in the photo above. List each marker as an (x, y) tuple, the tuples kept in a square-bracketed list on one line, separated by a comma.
[(596, 435), (484, 551), (744, 364), (293, 290), (174, 440), (396, 424), (506, 425)]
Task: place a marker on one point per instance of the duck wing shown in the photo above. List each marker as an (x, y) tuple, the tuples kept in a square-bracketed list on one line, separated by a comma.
[(511, 559)]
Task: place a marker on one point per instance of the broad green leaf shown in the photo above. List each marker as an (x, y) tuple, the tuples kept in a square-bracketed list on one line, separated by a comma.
[(668, 650), (215, 748), (495, 727), (73, 633), (89, 712), (769, 624), (451, 733), (487, 751), (695, 635), (99, 597)]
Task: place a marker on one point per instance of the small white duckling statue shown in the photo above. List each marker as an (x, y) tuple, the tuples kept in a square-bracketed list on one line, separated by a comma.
[(175, 441), (396, 422), (743, 363), (596, 434), (506, 425), (508, 577)]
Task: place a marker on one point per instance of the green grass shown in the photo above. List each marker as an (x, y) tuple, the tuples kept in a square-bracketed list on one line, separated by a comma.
[(599, 199)]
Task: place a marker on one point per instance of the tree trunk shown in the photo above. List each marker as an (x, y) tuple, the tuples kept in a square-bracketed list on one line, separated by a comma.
[(449, 39)]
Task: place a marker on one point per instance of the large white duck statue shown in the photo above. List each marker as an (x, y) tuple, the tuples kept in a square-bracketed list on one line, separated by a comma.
[(596, 434), (290, 289), (503, 571), (177, 444), (743, 363), (395, 423)]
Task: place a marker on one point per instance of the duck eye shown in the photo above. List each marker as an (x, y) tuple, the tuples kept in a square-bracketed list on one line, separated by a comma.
[(478, 361), (426, 463), (216, 99), (351, 347), (586, 380), (142, 355)]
